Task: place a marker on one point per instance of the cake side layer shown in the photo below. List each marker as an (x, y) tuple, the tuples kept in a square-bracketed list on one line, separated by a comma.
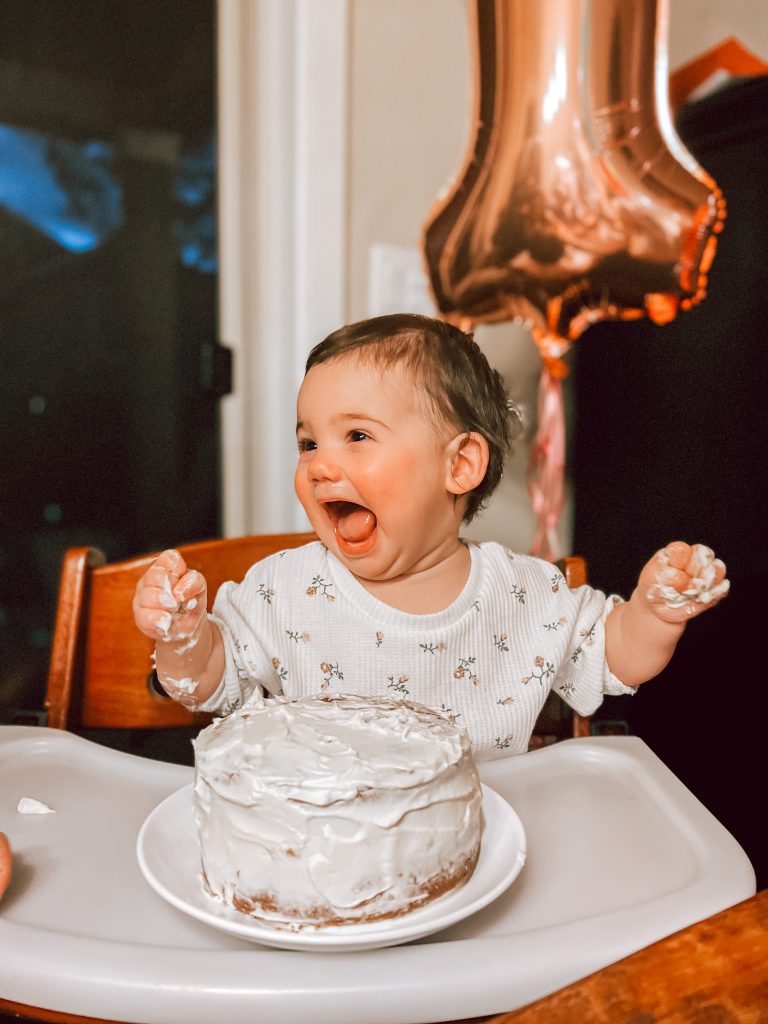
[(341, 857), (267, 906)]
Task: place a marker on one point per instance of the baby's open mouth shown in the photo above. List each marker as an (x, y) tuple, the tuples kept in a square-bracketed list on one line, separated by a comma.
[(353, 524)]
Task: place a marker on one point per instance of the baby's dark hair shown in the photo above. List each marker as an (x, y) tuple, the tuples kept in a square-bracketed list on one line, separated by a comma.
[(460, 384)]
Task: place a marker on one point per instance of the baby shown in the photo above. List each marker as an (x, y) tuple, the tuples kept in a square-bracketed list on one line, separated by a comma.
[(402, 430)]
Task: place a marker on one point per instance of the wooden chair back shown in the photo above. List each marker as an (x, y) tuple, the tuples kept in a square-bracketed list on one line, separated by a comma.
[(101, 673)]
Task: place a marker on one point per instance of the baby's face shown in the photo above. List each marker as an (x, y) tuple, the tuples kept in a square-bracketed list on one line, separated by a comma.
[(372, 469)]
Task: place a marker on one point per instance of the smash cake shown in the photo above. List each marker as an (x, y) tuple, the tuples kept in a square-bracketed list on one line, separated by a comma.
[(334, 809)]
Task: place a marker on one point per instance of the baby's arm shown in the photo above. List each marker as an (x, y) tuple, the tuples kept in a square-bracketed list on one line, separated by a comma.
[(169, 606), (678, 583)]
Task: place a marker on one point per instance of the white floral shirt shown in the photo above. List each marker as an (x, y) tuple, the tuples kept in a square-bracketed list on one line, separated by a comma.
[(300, 623)]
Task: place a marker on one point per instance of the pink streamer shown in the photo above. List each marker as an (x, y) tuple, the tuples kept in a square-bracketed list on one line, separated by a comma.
[(547, 465)]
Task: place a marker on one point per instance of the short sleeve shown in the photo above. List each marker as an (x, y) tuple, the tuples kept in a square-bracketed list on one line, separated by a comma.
[(584, 676), (248, 671)]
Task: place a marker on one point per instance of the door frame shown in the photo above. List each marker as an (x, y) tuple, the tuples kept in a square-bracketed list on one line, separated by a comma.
[(283, 81)]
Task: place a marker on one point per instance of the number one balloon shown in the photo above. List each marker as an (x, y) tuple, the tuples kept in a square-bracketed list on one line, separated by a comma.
[(577, 201)]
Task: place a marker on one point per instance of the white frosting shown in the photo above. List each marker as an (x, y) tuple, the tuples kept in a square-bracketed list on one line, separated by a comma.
[(335, 807), (702, 589), (165, 598), (185, 685), (163, 624), (28, 805), (182, 690)]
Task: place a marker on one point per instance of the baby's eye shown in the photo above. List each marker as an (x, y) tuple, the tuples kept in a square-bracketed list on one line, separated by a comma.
[(306, 444), (358, 435)]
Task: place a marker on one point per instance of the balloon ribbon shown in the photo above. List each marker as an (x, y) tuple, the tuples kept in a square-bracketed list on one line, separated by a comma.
[(547, 461)]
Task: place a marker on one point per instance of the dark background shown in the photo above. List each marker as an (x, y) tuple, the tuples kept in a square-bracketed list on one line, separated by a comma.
[(109, 430), (671, 442)]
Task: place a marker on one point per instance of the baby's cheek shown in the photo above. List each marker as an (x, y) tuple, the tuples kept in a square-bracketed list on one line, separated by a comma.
[(378, 487)]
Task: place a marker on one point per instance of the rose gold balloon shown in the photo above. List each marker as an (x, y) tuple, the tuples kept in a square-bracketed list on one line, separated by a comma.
[(577, 201)]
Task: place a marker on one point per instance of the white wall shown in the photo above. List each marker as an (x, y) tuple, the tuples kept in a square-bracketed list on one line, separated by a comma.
[(282, 211), (697, 25), (409, 126)]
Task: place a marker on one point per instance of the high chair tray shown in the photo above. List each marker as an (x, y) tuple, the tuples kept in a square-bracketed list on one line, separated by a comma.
[(620, 854)]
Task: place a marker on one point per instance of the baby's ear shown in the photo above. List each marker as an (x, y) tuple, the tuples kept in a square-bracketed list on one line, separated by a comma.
[(468, 462)]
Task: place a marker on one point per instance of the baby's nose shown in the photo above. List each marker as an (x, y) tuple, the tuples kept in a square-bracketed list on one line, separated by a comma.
[(324, 466)]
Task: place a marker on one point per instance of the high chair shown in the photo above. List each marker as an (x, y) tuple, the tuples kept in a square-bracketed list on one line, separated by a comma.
[(101, 673)]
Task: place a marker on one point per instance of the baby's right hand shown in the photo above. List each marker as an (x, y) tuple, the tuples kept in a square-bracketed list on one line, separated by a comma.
[(170, 602)]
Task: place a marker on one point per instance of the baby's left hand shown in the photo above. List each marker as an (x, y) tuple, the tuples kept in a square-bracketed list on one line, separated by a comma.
[(682, 581)]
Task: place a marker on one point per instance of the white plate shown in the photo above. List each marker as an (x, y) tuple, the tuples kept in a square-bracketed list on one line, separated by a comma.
[(168, 857)]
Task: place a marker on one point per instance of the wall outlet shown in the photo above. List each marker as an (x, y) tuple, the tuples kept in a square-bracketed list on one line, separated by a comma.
[(397, 281)]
